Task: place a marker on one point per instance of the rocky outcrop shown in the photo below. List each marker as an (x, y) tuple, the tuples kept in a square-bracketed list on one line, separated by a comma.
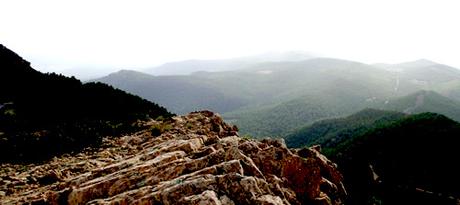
[(196, 159)]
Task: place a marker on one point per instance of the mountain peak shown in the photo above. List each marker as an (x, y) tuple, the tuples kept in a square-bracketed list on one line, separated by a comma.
[(11, 62), (126, 72), (418, 63), (9, 55), (187, 67), (425, 61)]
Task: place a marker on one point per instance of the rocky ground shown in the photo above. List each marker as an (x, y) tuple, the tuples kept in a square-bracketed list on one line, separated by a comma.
[(194, 159)]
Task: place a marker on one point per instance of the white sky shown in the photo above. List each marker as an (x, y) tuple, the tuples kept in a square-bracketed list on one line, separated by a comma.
[(60, 34)]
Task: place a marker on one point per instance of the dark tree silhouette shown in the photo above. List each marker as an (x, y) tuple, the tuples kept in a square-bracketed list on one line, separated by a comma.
[(42, 115)]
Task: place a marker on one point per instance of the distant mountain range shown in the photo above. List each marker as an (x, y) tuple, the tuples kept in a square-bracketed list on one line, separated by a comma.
[(191, 66), (275, 98)]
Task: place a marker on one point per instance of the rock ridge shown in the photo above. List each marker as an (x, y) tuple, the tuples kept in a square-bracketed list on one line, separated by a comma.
[(195, 159)]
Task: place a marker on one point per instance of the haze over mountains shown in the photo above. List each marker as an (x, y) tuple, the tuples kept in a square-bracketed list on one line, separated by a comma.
[(183, 67), (190, 66), (274, 98)]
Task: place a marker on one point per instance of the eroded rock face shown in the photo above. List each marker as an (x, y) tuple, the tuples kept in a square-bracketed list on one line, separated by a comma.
[(199, 160)]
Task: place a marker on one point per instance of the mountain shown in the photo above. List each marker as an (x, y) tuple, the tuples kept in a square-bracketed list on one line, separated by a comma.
[(427, 72), (420, 63), (266, 88), (407, 161), (428, 75), (85, 73), (314, 90), (196, 159), (180, 94), (389, 157), (42, 115), (190, 66), (426, 101), (277, 98), (330, 132)]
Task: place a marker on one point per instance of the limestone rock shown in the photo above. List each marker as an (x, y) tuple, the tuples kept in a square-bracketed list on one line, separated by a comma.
[(199, 160)]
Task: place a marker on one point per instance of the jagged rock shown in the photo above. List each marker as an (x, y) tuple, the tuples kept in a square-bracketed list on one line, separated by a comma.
[(200, 160)]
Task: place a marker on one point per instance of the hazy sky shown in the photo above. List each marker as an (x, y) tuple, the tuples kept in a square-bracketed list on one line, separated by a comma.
[(58, 35)]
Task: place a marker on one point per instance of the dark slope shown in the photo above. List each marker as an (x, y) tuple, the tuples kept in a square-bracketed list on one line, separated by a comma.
[(389, 157), (410, 161), (46, 114), (330, 132)]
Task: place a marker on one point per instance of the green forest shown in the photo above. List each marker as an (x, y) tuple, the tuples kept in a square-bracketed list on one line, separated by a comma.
[(390, 157)]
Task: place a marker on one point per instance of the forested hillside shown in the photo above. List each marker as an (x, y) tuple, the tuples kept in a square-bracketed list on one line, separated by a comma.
[(42, 115), (331, 132), (426, 101), (389, 157), (409, 161)]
